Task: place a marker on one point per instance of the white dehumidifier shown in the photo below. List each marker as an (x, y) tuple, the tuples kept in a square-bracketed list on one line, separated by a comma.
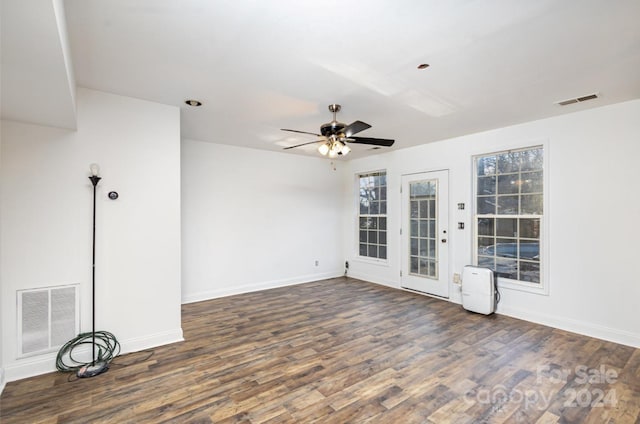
[(478, 290)]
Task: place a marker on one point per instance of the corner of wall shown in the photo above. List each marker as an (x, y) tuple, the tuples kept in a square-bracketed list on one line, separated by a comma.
[(2, 380)]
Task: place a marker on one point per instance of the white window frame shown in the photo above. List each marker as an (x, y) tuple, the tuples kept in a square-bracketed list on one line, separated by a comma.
[(541, 288), (379, 261)]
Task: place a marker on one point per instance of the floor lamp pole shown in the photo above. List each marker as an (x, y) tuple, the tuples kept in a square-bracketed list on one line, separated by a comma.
[(94, 180), (100, 366)]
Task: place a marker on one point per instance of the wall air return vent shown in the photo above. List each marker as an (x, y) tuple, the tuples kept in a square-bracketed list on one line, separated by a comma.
[(577, 100), (47, 318)]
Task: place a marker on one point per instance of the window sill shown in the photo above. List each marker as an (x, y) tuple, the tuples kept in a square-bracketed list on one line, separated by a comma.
[(371, 261), (505, 283)]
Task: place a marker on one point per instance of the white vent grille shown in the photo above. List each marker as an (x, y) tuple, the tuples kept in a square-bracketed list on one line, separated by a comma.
[(47, 318), (577, 100)]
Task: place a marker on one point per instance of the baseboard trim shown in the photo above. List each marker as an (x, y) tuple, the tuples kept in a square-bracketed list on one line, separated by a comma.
[(563, 323), (252, 287), (151, 341), (373, 279), (46, 363)]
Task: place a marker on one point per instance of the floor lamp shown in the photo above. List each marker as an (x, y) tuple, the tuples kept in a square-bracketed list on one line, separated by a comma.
[(100, 366)]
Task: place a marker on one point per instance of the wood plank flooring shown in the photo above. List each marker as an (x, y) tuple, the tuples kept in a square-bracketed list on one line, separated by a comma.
[(346, 351)]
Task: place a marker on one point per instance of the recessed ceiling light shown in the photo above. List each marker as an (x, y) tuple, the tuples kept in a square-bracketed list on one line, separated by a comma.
[(423, 66), (194, 103)]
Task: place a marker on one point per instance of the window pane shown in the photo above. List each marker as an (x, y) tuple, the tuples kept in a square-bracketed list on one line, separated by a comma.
[(424, 228), (530, 272), (364, 222), (383, 193), (530, 228), (382, 252), (374, 208), (414, 228), (506, 248), (432, 228), (364, 206), (507, 227), (486, 205), (507, 205), (485, 226), (432, 209), (373, 251), (382, 223), (508, 184), (373, 237), (432, 269), (507, 268), (486, 262), (487, 165), (424, 209), (382, 237), (530, 250), (413, 265), (487, 185), (486, 246), (423, 247), (508, 162), (363, 236), (432, 248), (424, 267), (532, 204), (383, 207), (532, 159), (531, 182), (415, 211), (414, 246), (363, 249)]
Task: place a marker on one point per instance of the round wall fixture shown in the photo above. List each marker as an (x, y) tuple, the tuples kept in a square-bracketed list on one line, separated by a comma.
[(113, 195)]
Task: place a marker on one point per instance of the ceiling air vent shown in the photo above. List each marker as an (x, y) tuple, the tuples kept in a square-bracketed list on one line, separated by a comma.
[(577, 99)]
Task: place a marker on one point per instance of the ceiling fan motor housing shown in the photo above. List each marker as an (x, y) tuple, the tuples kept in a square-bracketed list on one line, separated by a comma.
[(332, 128)]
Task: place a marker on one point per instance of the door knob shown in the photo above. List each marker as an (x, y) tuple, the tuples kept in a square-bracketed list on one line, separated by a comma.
[(444, 240)]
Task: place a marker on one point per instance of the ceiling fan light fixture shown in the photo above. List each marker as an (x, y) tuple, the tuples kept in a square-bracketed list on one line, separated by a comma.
[(335, 149), (345, 149), (324, 149)]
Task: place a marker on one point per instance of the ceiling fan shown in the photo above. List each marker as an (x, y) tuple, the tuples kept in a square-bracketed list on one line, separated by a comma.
[(335, 135)]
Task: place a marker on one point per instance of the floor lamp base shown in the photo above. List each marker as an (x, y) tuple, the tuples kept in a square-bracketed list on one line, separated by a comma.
[(91, 370)]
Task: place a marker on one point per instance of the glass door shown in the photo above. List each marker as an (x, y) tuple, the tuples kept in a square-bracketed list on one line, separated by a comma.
[(424, 237)]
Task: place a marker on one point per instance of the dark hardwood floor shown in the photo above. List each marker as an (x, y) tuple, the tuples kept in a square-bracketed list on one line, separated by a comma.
[(346, 351)]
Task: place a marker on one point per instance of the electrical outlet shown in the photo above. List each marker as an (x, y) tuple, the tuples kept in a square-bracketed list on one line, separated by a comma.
[(317, 263), (346, 264), (456, 278)]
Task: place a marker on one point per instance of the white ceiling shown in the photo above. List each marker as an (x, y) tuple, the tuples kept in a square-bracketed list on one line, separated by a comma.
[(259, 66)]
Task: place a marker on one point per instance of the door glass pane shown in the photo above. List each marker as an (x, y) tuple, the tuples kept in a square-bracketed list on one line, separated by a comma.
[(422, 230)]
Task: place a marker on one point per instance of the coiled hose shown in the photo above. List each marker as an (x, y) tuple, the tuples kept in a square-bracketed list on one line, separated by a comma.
[(106, 344)]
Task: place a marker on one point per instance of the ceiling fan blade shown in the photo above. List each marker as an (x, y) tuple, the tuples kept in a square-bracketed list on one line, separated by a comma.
[(300, 132), (304, 144), (355, 127), (373, 141)]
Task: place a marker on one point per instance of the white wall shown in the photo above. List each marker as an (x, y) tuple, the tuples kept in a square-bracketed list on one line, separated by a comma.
[(254, 219), (592, 213), (2, 379), (46, 220)]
